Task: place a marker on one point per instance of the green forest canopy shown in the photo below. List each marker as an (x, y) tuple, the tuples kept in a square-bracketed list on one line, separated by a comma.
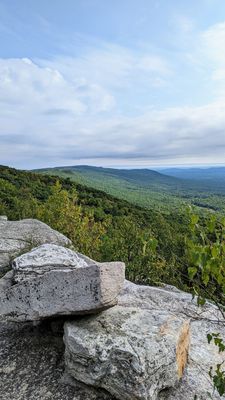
[(152, 243)]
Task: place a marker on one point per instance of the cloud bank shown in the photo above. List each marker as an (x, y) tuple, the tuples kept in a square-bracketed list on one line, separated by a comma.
[(99, 106)]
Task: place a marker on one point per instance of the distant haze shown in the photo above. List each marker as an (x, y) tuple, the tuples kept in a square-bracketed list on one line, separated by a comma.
[(112, 83)]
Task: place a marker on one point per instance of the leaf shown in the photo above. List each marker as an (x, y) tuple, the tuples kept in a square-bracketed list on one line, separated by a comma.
[(200, 301), (205, 278), (192, 271), (209, 338), (194, 219), (215, 251)]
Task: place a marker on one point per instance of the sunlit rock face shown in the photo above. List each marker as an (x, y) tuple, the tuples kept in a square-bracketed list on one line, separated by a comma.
[(151, 346), (52, 280), (129, 352)]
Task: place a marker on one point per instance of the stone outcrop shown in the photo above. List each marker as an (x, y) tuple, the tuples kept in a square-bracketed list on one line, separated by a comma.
[(17, 237), (129, 352), (32, 365), (152, 345), (52, 280)]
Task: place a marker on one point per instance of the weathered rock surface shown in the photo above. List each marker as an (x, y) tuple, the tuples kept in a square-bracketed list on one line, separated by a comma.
[(151, 346), (47, 258), (32, 357), (21, 236), (52, 280), (32, 365)]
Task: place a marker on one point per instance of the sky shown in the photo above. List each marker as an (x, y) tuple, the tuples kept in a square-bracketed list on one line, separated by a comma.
[(122, 83)]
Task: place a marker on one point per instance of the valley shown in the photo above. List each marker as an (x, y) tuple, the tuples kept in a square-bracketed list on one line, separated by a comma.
[(152, 189)]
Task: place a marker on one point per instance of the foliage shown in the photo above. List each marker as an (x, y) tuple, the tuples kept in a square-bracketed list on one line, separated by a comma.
[(101, 226), (137, 249), (207, 257), (148, 188), (218, 341), (207, 271), (62, 213), (218, 378), (151, 242)]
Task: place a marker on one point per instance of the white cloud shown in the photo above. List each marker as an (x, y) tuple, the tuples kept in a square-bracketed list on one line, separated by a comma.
[(113, 67), (153, 64), (27, 86), (206, 59), (211, 56), (213, 44), (68, 109), (172, 135)]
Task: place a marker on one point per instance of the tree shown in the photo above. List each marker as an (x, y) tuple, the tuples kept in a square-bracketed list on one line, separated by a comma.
[(130, 243), (206, 250), (62, 213)]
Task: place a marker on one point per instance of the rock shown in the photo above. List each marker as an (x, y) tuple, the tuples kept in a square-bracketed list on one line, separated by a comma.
[(3, 218), (52, 280), (128, 352), (196, 380), (32, 365), (46, 258), (152, 345), (203, 320), (17, 237), (6, 281)]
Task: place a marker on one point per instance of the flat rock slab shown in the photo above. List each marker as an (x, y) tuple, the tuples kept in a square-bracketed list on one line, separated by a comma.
[(152, 345), (17, 237), (47, 258), (52, 280)]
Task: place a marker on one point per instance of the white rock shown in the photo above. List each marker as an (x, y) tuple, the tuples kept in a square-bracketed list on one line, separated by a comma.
[(152, 345), (46, 258), (52, 280), (21, 236)]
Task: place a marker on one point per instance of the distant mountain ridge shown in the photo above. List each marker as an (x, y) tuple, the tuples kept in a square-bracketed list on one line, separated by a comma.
[(169, 176), (213, 174), (147, 188), (142, 175)]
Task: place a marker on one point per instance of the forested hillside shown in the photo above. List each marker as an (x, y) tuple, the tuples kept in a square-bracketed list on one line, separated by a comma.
[(157, 246), (148, 188), (99, 224), (214, 176)]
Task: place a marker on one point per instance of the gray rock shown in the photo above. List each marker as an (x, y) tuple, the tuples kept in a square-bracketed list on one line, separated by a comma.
[(17, 237), (32, 365), (203, 320), (52, 280), (152, 345), (46, 258), (6, 281), (196, 380)]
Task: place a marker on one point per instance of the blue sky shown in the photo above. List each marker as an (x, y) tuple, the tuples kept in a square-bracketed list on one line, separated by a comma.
[(117, 83)]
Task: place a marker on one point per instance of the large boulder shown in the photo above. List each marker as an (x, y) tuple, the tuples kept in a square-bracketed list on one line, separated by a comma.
[(152, 345), (32, 365), (51, 280), (17, 237)]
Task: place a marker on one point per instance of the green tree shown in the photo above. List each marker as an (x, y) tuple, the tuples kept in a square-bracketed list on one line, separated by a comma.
[(206, 250), (62, 213), (130, 243)]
